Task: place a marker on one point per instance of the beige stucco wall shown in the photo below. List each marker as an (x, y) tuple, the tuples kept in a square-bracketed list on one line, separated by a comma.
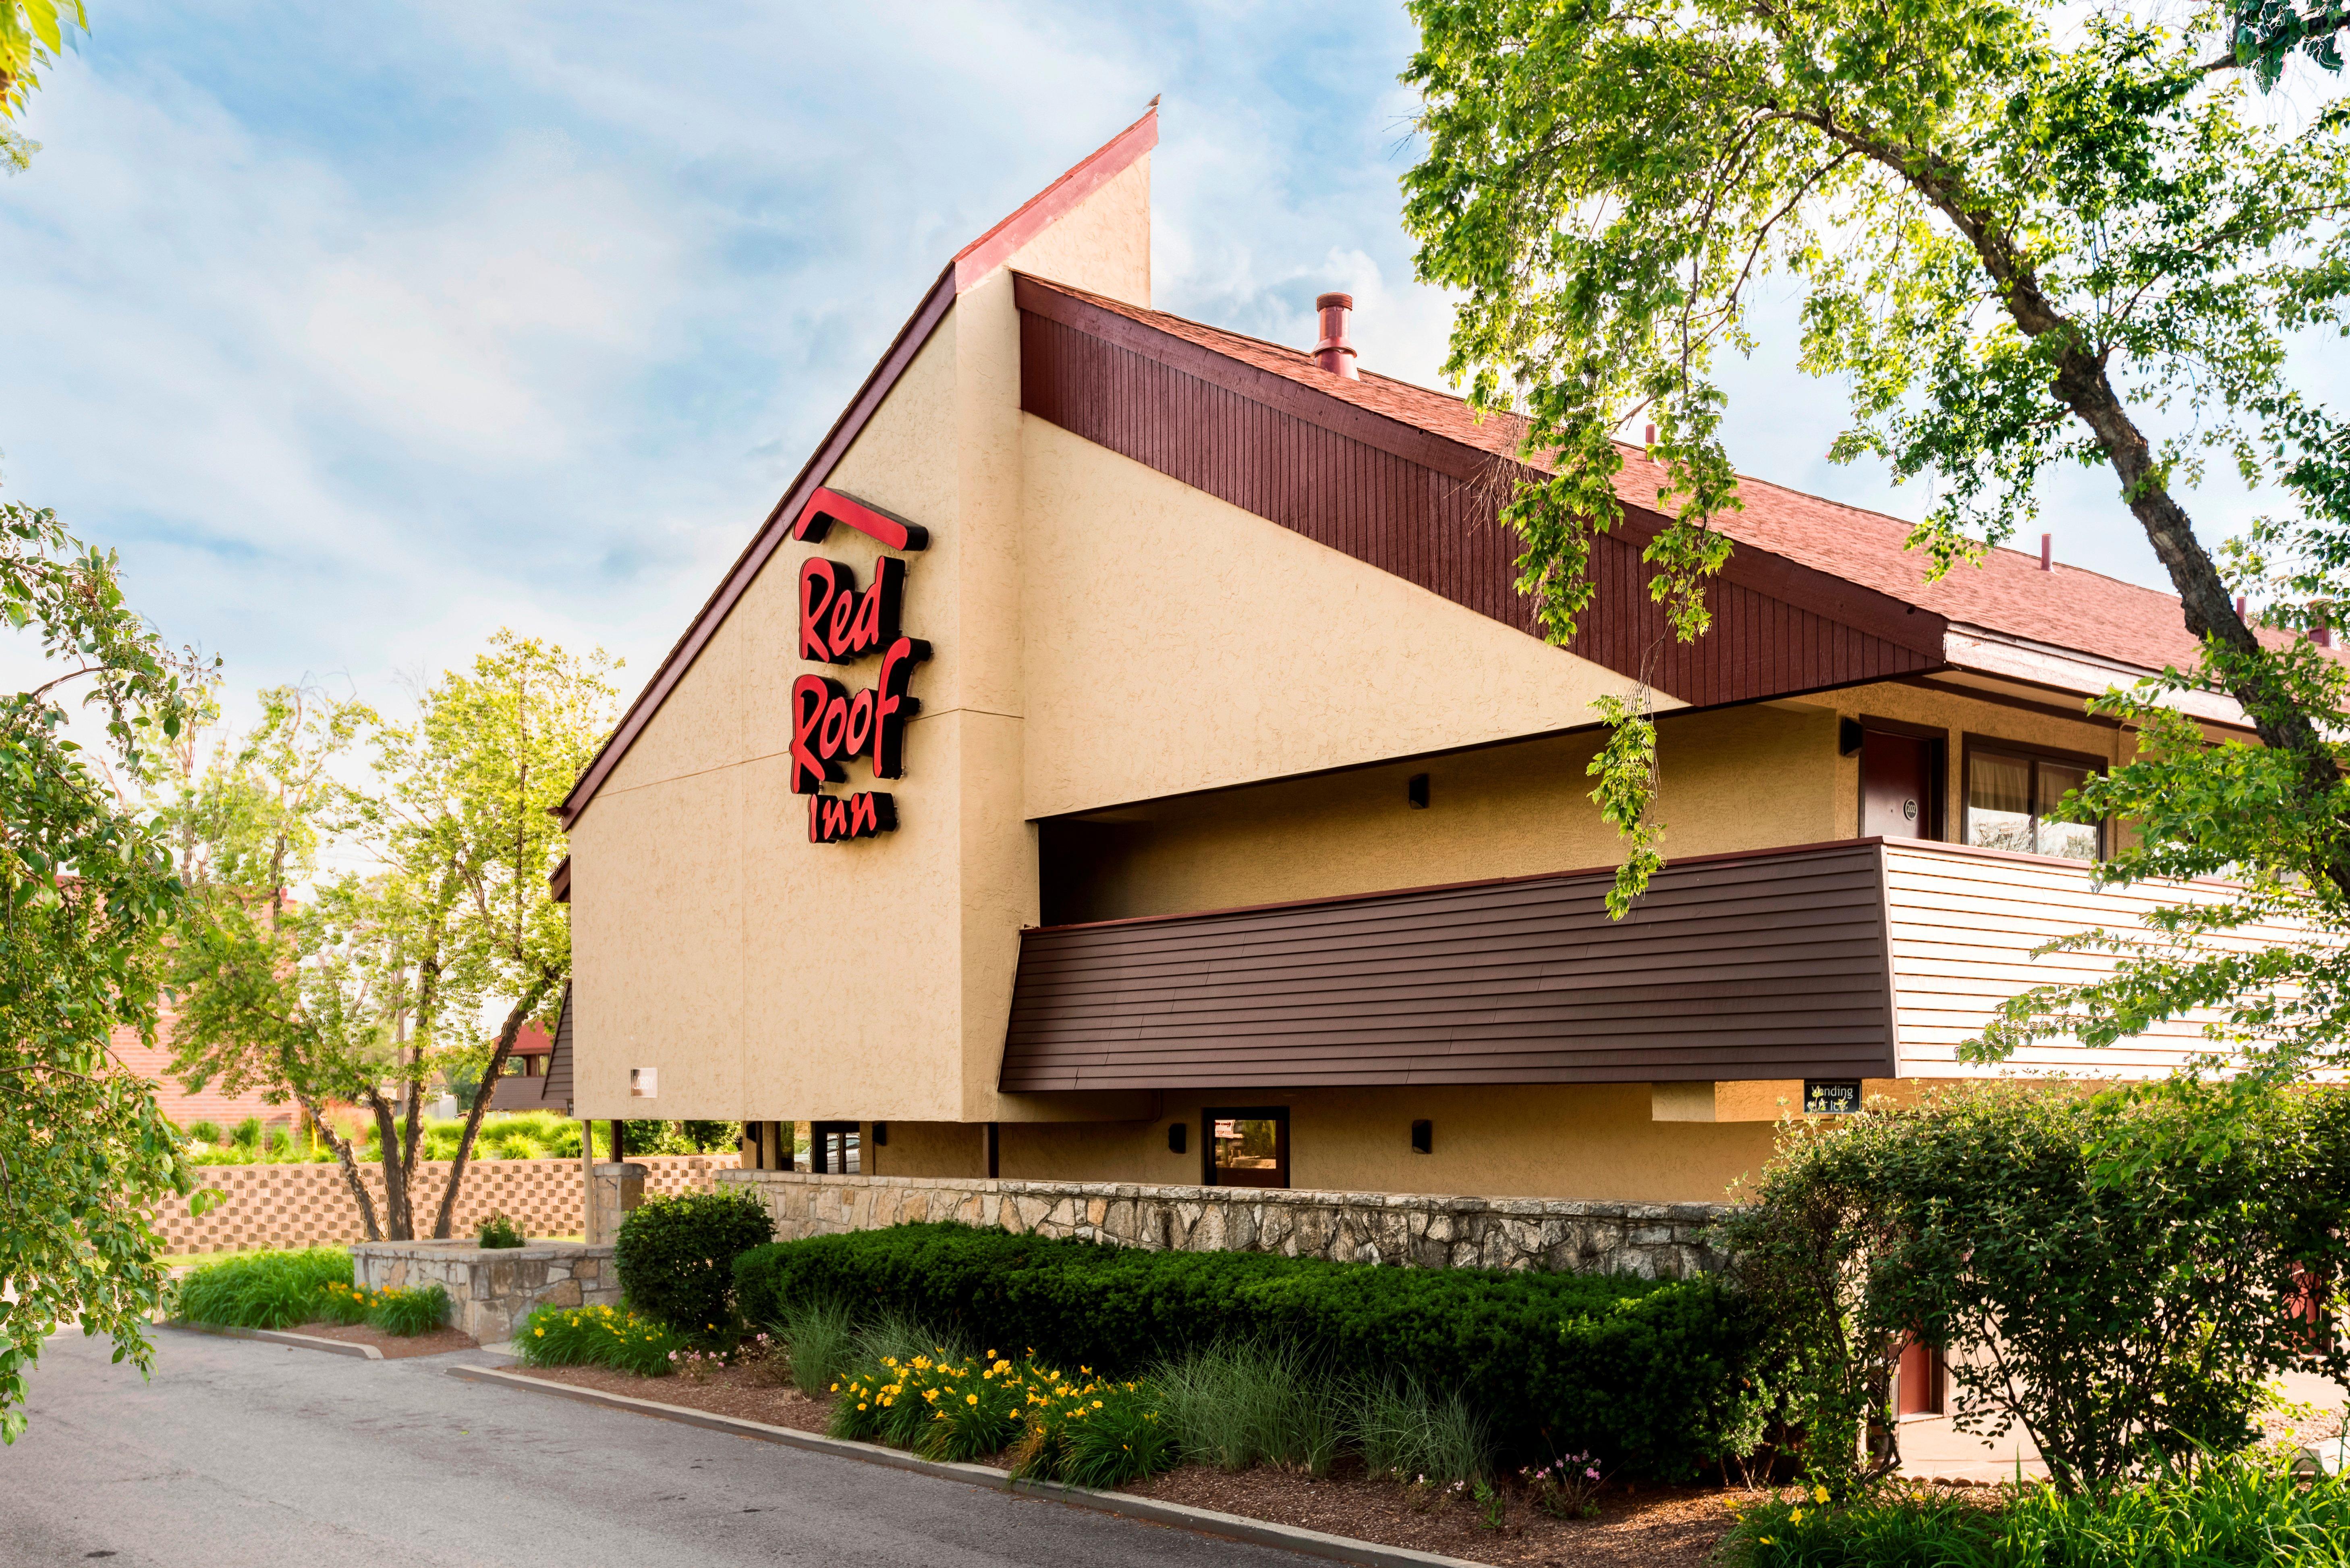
[(1961, 716), (1593, 1141), (1104, 247), (1175, 642), (1729, 780), (755, 971), (1739, 779)]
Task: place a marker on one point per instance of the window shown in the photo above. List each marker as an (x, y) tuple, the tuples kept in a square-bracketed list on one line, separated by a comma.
[(2010, 793), (832, 1148), (1245, 1146)]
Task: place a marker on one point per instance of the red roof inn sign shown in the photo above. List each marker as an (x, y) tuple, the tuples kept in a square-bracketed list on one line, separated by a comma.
[(842, 624)]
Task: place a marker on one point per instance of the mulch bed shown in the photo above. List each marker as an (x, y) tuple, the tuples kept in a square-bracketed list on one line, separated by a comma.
[(742, 1392), (1635, 1526), (391, 1347)]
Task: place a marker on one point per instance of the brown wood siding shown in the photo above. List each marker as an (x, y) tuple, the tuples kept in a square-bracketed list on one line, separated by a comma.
[(551, 1090), (1759, 966), (558, 1061), (1429, 514)]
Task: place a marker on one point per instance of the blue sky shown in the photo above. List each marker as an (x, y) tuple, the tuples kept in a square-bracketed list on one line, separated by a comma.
[(364, 329)]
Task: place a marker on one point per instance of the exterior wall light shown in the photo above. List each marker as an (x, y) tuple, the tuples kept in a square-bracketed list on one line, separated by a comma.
[(880, 1134), (1176, 1140), (1423, 1138), (1415, 790)]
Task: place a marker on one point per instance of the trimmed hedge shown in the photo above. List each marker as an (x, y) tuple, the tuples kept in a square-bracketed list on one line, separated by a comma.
[(1650, 1376), (676, 1257)]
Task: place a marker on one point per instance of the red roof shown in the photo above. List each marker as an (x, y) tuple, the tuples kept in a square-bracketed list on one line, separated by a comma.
[(2066, 607)]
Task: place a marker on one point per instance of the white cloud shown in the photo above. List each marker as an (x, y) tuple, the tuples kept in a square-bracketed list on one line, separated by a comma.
[(365, 337)]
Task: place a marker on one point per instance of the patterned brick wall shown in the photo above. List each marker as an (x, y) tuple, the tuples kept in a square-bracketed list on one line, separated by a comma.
[(310, 1205)]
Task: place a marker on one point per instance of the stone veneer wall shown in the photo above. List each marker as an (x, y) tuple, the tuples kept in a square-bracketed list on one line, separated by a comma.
[(1654, 1240), (491, 1289), (310, 1205)]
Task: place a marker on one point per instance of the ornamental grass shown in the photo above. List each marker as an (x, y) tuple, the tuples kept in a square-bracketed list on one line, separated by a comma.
[(263, 1290), (616, 1337)]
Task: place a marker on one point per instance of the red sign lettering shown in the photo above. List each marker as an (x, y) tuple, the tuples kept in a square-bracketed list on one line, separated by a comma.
[(826, 507), (840, 625), (811, 768), (832, 817)]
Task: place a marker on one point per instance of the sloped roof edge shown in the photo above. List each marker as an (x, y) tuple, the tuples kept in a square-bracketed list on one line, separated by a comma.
[(772, 533), (970, 264)]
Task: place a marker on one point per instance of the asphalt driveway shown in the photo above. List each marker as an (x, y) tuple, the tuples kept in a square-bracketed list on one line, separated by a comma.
[(241, 1453)]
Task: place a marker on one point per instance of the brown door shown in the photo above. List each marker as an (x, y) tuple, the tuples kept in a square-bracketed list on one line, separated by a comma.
[(1896, 787)]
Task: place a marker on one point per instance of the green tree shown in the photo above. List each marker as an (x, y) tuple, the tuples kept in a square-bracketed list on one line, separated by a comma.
[(2023, 237), (374, 983), (32, 33), (86, 895)]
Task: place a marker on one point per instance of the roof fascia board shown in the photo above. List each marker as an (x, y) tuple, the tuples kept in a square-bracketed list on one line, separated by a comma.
[(1038, 296), (1807, 588), (1056, 200), (1864, 610), (1987, 652), (772, 533)]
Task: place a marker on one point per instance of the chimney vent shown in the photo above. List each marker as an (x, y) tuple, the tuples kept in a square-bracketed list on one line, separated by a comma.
[(1649, 436), (2048, 552), (1334, 353)]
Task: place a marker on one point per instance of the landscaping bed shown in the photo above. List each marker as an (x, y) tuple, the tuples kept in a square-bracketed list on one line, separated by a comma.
[(391, 1347), (1637, 1524)]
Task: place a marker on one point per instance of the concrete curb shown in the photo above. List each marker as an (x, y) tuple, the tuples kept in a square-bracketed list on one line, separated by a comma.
[(279, 1336), (1181, 1516)]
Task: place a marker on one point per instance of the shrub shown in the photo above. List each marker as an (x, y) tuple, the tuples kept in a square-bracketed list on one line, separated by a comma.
[(2119, 1273), (676, 1257), (204, 1132), (497, 1231), (598, 1336), (2241, 1512), (263, 1290), (409, 1312), (1649, 1374)]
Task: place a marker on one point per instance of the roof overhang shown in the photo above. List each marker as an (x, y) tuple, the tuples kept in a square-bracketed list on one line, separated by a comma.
[(1999, 662)]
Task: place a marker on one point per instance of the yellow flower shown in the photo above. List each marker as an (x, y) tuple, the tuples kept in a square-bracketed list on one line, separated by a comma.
[(1796, 1517), (860, 1403), (1819, 1494), (1097, 1404), (970, 1398), (540, 1331)]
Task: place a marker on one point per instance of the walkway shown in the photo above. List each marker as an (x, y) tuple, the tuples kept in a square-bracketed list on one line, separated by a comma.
[(241, 1453)]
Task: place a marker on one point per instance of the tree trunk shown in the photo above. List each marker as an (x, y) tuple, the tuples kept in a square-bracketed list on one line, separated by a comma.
[(2082, 384), (350, 1167), (396, 1222), (515, 1017)]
